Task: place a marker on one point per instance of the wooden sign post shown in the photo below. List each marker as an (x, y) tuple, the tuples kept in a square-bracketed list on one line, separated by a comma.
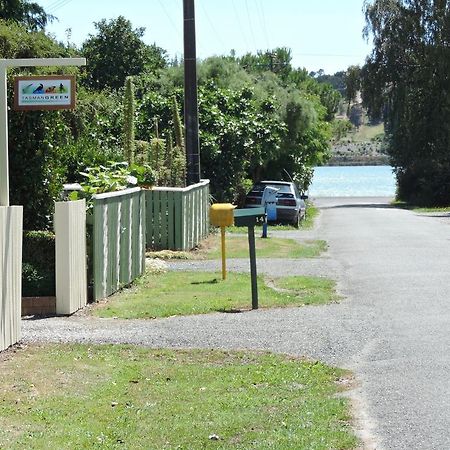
[(4, 64)]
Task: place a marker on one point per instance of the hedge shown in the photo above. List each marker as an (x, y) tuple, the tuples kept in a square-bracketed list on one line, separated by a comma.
[(38, 264)]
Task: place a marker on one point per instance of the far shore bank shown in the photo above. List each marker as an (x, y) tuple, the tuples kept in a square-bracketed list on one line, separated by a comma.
[(380, 160)]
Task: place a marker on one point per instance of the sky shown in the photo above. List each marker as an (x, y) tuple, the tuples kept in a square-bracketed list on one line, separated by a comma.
[(322, 34)]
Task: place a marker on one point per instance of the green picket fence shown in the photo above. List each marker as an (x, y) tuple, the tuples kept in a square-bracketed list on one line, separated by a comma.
[(118, 240), (177, 218)]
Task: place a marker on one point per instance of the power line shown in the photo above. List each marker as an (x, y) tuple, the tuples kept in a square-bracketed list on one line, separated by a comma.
[(57, 5), (250, 26), (262, 19), (177, 30), (213, 28), (239, 23), (53, 4), (327, 55)]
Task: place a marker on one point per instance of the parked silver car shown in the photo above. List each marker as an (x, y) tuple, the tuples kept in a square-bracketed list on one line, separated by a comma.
[(291, 207)]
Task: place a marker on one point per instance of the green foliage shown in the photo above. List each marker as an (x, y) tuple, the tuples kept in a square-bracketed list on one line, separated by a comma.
[(356, 115), (144, 174), (176, 157), (118, 51), (258, 118), (94, 130), (142, 150), (277, 61), (114, 176), (35, 176), (128, 120), (110, 178), (17, 42), (168, 160), (29, 14), (406, 78), (51, 148), (157, 158), (34, 137), (224, 72), (352, 83), (340, 128), (337, 81), (38, 264), (254, 123), (240, 136)]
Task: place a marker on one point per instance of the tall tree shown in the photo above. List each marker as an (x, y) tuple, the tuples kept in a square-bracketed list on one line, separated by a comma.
[(352, 82), (277, 61), (407, 78), (30, 14), (118, 51)]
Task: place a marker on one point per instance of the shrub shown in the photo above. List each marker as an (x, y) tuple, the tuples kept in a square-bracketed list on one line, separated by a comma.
[(38, 264)]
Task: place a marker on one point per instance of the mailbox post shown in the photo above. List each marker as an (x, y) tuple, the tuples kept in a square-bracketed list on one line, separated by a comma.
[(249, 217), (269, 200), (221, 215)]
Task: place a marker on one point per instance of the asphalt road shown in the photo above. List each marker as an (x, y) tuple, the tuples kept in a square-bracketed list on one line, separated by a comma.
[(392, 329), (396, 276)]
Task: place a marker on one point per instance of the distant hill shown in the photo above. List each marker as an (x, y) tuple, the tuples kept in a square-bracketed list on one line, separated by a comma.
[(364, 146)]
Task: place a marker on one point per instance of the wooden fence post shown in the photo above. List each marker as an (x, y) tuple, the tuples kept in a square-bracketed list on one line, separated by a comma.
[(11, 220), (70, 239)]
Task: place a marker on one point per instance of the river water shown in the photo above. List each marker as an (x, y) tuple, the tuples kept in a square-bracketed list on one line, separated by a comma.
[(353, 181)]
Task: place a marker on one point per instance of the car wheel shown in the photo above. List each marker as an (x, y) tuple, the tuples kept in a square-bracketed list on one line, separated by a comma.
[(296, 221)]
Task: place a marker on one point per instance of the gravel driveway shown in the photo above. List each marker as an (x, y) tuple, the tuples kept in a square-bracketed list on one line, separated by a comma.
[(392, 330)]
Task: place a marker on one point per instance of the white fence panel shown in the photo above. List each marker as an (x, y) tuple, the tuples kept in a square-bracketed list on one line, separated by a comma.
[(10, 274), (71, 278)]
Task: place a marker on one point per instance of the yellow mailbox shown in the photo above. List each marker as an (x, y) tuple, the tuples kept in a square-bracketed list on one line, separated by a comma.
[(221, 214)]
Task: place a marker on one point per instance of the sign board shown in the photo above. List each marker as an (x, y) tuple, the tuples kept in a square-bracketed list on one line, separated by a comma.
[(44, 92)]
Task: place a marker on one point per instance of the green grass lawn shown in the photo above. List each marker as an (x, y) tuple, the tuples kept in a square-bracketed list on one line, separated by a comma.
[(123, 397), (420, 209), (306, 224), (237, 247), (366, 133), (183, 293), (271, 247)]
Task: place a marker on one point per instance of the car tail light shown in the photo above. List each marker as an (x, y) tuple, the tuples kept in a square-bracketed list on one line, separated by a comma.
[(287, 202)]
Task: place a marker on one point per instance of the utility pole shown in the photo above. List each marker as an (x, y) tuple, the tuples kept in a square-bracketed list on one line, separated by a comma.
[(190, 95)]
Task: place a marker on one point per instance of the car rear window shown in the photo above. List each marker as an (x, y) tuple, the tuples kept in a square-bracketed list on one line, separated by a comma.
[(281, 188)]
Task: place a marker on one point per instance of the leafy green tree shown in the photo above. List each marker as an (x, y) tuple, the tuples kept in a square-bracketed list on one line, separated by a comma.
[(337, 80), (406, 78), (16, 41), (117, 51), (277, 61), (239, 137), (356, 115), (352, 82), (29, 14), (254, 123)]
